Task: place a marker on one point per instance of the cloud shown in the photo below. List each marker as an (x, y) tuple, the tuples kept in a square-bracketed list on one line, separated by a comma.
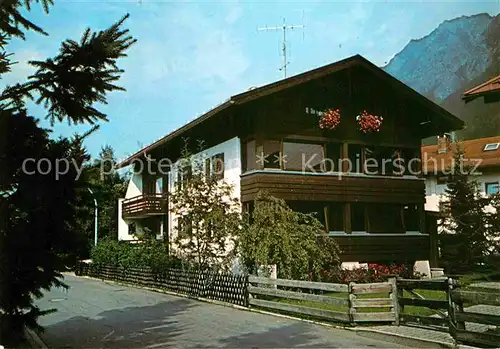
[(21, 70), (187, 45), (234, 14)]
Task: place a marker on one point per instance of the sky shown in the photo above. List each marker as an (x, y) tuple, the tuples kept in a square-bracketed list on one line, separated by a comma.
[(193, 55)]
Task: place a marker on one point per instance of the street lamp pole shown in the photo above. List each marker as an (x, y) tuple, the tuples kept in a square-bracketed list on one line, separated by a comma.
[(95, 216)]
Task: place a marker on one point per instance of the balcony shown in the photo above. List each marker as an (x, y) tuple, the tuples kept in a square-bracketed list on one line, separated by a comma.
[(144, 205), (289, 185)]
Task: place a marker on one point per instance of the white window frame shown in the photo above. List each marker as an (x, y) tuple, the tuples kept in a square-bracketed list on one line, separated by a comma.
[(491, 146)]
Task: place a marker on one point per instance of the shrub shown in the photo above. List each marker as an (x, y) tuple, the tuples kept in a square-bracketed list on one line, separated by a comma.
[(379, 273), (149, 253), (295, 242)]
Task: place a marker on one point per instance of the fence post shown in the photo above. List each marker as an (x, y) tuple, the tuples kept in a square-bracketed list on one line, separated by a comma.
[(399, 295), (247, 294), (351, 297), (395, 299), (458, 306), (451, 309)]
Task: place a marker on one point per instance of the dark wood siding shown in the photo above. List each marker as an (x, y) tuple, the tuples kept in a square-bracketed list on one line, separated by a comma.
[(332, 188), (379, 248)]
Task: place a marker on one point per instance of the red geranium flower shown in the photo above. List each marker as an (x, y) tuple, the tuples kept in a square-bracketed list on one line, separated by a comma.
[(369, 123), (330, 119)]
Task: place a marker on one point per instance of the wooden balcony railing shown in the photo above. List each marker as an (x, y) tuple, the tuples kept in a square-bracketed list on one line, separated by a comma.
[(144, 205)]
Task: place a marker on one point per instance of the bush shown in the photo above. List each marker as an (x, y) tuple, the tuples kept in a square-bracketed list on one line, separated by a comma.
[(378, 273), (293, 241), (149, 253)]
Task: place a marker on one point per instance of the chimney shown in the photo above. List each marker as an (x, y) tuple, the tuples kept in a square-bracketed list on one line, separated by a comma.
[(444, 142)]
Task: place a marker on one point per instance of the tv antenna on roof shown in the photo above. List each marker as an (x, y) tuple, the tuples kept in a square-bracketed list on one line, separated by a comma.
[(283, 27)]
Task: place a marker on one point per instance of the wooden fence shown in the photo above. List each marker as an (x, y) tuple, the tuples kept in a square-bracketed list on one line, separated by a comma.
[(334, 302), (466, 329), (394, 301), (408, 295), (223, 287), (465, 326), (374, 302)]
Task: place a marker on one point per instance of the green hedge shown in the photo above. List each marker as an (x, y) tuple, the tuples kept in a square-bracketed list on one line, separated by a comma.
[(149, 253)]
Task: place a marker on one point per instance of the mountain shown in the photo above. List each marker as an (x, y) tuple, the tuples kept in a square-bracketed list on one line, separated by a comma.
[(459, 54)]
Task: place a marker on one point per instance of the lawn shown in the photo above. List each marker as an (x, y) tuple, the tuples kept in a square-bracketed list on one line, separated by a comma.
[(410, 310), (427, 294)]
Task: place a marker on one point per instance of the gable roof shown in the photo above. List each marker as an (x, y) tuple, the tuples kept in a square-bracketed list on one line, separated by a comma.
[(473, 152), (295, 80), (491, 86)]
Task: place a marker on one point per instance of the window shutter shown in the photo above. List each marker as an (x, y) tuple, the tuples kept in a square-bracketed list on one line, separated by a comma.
[(218, 166)]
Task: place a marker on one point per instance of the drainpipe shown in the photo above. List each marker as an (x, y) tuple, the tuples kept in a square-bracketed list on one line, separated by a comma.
[(95, 216)]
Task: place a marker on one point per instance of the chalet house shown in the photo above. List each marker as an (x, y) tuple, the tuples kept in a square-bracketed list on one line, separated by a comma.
[(285, 138), (483, 152)]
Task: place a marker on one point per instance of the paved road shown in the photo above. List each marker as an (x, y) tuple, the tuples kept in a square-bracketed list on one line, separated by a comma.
[(94, 314)]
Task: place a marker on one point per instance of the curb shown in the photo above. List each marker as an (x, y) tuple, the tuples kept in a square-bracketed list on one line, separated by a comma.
[(413, 342), (34, 339)]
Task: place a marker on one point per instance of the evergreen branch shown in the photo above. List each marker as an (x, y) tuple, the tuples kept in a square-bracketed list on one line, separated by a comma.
[(80, 75), (11, 20)]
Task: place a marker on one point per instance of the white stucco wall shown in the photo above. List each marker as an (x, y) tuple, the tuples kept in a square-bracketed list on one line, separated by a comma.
[(434, 192), (122, 225), (232, 171)]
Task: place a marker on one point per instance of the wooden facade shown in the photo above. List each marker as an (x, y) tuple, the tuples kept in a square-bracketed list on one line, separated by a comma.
[(383, 248), (342, 188)]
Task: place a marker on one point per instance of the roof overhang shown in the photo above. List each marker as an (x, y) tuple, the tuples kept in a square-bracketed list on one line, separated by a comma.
[(490, 90), (242, 98)]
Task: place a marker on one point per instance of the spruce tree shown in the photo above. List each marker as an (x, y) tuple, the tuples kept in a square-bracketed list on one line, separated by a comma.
[(464, 225), (38, 212)]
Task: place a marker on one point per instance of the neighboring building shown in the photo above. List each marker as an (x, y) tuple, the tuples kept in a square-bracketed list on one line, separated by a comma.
[(490, 90), (483, 152), (376, 215)]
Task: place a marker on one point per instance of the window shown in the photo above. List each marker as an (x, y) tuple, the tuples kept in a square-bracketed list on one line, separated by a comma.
[(333, 156), (381, 161), (335, 216), (303, 157), (385, 218), (411, 217), (251, 160), (377, 218), (358, 217), (317, 209), (218, 166), (442, 180), (491, 146), (410, 161), (208, 168), (132, 229), (159, 185), (183, 175), (184, 225), (149, 185), (355, 158), (492, 188), (268, 154)]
